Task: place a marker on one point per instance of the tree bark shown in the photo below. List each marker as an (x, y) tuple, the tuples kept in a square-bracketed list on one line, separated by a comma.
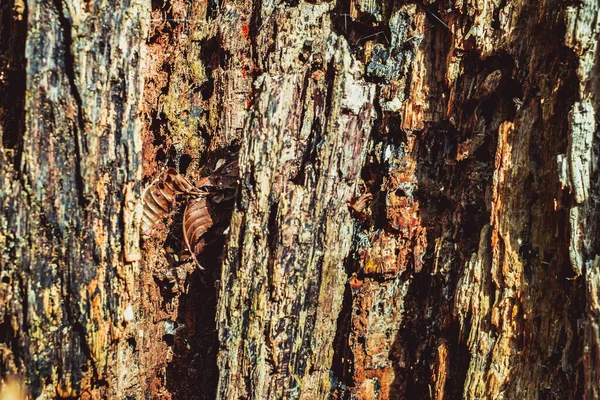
[(416, 214), (70, 181)]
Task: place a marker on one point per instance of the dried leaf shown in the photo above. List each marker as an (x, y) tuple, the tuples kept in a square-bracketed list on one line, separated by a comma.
[(159, 197), (223, 177), (197, 220), (219, 164)]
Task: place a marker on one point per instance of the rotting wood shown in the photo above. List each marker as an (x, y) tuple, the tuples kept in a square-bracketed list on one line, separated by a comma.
[(69, 256), (298, 170), (468, 132)]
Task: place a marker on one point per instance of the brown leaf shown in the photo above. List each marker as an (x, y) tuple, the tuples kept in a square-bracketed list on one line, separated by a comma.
[(223, 177), (197, 220), (159, 197), (179, 183)]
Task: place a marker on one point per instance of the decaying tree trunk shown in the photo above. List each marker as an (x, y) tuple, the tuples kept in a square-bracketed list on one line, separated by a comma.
[(416, 213), (69, 186)]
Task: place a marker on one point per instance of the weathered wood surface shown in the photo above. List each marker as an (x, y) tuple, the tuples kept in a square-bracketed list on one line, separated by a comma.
[(458, 278), (68, 188), (283, 280), (417, 214)]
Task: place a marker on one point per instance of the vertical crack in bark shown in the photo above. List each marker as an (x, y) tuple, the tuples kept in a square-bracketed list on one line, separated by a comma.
[(192, 89), (342, 363), (79, 129), (13, 25)]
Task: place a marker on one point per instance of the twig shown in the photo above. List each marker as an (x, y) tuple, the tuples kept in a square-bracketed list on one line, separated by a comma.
[(268, 17), (370, 36), (438, 18), (169, 19)]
